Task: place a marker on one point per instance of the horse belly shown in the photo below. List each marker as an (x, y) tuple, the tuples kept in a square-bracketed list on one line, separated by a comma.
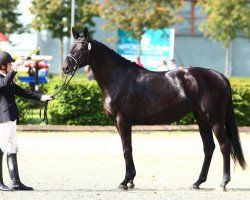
[(161, 115)]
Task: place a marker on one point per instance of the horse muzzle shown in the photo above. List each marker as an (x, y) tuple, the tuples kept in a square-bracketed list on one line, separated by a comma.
[(66, 69)]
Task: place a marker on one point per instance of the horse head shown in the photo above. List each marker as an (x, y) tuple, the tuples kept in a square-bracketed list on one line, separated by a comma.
[(79, 52)]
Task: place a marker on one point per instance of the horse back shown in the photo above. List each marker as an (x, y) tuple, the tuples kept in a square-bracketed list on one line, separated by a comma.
[(146, 97)]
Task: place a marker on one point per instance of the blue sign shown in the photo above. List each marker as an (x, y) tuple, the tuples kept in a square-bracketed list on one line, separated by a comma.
[(156, 45)]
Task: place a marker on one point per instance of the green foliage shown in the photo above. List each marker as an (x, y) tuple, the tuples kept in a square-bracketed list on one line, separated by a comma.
[(9, 16), (55, 15), (27, 108), (225, 19), (241, 100), (81, 103), (137, 16), (188, 119), (23, 111)]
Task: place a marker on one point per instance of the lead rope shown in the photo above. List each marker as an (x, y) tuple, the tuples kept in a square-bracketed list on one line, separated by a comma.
[(65, 83)]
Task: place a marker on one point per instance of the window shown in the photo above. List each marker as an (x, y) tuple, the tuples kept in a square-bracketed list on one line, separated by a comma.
[(193, 16)]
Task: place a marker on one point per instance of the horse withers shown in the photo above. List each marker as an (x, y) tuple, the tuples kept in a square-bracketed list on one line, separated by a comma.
[(133, 95)]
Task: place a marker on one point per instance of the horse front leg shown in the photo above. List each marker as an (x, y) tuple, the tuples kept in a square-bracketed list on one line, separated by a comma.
[(124, 130)]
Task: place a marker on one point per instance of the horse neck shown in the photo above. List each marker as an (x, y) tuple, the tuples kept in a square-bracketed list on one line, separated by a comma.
[(103, 63)]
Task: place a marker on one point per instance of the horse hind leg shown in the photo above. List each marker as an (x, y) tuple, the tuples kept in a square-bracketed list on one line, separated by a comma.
[(208, 147), (225, 147)]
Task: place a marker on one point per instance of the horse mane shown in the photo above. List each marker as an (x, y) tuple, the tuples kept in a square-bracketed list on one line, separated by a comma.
[(115, 55)]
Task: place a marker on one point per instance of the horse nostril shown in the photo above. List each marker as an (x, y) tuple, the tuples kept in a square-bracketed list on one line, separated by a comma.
[(66, 69)]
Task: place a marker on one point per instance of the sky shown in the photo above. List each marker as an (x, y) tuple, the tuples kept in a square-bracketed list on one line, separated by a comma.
[(24, 9), (26, 42)]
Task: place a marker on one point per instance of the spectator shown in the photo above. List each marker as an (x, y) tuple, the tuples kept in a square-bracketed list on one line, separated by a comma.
[(89, 73), (172, 65), (181, 66), (162, 66), (138, 61)]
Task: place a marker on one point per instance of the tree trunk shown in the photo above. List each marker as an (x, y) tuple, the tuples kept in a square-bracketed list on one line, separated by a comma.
[(61, 58), (139, 47), (227, 70)]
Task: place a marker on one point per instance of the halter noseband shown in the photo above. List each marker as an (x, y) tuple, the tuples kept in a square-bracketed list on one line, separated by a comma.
[(73, 57)]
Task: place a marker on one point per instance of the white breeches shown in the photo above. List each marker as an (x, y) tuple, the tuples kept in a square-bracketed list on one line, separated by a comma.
[(8, 142)]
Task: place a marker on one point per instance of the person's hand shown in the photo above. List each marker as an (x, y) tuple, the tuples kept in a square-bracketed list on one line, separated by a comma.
[(19, 62), (46, 97)]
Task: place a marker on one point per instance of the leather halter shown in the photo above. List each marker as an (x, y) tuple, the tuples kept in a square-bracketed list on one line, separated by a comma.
[(77, 61)]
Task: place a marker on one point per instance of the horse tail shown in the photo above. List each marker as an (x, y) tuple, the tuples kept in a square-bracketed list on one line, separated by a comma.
[(233, 133)]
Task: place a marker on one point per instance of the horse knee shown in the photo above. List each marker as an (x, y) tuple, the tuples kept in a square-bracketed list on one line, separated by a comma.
[(226, 147), (127, 153), (209, 149)]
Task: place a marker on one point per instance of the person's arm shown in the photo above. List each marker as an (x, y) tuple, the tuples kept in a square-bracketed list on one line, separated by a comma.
[(11, 74), (27, 94), (31, 95), (7, 79)]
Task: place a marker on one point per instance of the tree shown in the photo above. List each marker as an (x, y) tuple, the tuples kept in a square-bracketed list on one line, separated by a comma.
[(9, 17), (137, 16), (55, 15), (225, 20)]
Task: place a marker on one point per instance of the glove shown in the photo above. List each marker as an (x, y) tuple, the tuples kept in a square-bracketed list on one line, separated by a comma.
[(46, 98), (19, 62)]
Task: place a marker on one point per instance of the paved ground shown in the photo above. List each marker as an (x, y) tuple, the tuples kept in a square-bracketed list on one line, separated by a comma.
[(87, 165)]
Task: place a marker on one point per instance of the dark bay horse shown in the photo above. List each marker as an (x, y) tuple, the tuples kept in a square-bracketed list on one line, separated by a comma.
[(133, 95)]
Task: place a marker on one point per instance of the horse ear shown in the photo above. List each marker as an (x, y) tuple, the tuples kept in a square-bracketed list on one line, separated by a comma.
[(86, 33), (75, 34)]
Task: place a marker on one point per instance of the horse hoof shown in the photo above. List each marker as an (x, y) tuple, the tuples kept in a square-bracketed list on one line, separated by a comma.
[(194, 187), (122, 187), (131, 185), (221, 189)]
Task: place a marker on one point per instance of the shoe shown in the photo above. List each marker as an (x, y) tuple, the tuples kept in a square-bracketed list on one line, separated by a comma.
[(3, 187), (21, 186), (14, 175)]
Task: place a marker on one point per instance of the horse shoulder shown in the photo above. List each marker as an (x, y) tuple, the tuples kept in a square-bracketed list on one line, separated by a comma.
[(117, 96)]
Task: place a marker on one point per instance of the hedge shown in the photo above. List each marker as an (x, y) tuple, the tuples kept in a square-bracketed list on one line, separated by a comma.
[(26, 108), (81, 103)]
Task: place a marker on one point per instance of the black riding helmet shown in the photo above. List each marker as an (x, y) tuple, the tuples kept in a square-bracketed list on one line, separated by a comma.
[(5, 58)]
